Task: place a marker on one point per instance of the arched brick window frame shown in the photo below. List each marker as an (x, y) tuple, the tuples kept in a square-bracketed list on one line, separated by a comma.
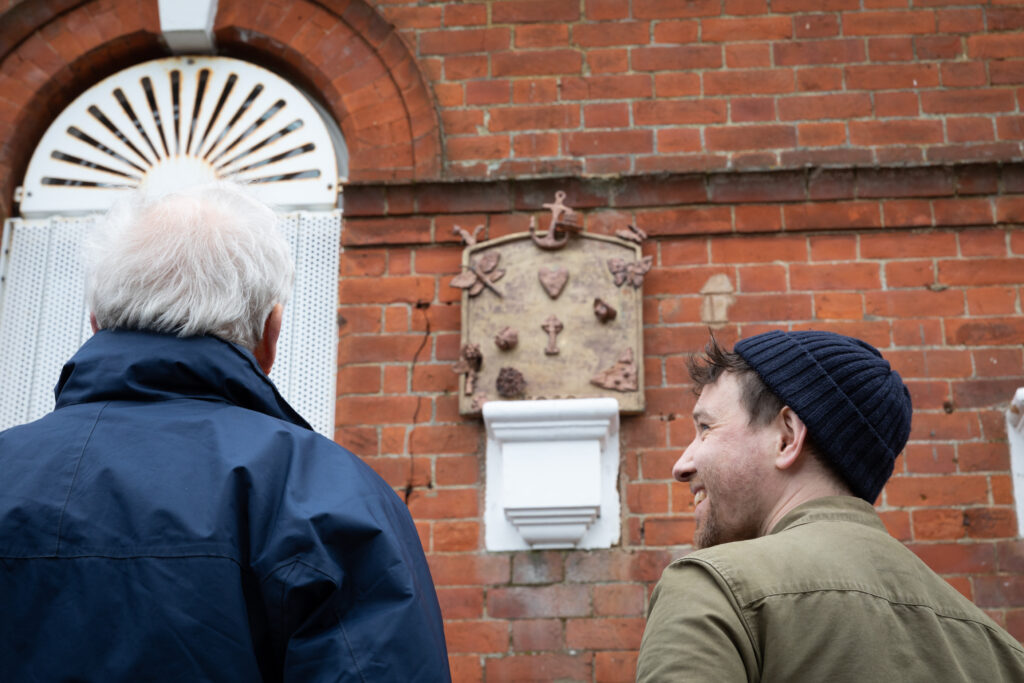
[(341, 51)]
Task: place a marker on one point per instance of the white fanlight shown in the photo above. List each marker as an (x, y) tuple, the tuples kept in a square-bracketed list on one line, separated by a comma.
[(161, 126), (172, 122)]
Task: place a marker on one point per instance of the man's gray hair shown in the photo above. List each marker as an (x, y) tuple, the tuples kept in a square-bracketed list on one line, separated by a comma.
[(206, 260)]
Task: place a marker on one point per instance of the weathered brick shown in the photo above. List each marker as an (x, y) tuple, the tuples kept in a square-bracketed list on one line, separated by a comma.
[(543, 117), (542, 35), (895, 132), (748, 81), (605, 565), (444, 504), (477, 636), (539, 601), (615, 666), (891, 49), (604, 633), (464, 41), (536, 63), (967, 102), (521, 11), (888, 23), (537, 635), (749, 137), (800, 53), (574, 666), (747, 28), (748, 56), (461, 603), (469, 570), (377, 410), (937, 524), (914, 304), (923, 491), (976, 272), (815, 277), (984, 393), (670, 58), (832, 215), (619, 600), (610, 142), (668, 531)]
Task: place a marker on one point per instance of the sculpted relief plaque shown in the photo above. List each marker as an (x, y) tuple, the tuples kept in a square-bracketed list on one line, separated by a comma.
[(553, 314)]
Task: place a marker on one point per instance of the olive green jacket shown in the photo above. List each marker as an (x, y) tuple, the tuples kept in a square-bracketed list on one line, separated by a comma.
[(828, 595)]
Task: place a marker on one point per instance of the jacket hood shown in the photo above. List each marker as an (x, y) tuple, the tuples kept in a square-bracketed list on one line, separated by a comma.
[(132, 365)]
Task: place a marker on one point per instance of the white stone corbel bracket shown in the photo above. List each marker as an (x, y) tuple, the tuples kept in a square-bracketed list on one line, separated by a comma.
[(552, 474), (1015, 434)]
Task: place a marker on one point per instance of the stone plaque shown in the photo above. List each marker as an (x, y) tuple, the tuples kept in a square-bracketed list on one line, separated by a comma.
[(546, 313)]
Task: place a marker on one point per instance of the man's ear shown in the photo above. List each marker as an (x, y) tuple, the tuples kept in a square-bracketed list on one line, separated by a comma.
[(92, 322), (792, 438), (266, 347)]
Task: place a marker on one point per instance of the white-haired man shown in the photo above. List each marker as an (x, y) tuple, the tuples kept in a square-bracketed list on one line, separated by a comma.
[(174, 518)]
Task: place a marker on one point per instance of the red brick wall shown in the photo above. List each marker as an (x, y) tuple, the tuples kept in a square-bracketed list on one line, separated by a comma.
[(851, 169), (620, 86), (926, 264)]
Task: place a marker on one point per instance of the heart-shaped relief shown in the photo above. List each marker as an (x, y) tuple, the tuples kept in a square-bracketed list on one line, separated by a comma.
[(553, 280)]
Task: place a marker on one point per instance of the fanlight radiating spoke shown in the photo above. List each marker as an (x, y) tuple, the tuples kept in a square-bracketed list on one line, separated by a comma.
[(179, 120)]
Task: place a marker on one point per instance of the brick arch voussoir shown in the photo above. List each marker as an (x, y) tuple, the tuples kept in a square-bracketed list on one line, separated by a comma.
[(356, 63)]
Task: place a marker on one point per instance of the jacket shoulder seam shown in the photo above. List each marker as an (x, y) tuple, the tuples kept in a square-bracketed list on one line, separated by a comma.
[(74, 476), (723, 578)]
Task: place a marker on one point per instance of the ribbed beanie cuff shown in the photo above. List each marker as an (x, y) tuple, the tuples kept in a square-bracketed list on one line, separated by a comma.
[(855, 406)]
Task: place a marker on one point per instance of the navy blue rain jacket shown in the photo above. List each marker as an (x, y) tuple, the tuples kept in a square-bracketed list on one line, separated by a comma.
[(175, 520)]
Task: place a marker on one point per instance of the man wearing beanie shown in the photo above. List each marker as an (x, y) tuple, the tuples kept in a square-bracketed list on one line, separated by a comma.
[(795, 577)]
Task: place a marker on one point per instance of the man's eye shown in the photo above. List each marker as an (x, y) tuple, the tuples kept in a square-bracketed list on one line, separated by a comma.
[(702, 426)]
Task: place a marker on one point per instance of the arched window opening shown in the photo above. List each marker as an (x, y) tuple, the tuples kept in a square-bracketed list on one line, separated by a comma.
[(163, 125)]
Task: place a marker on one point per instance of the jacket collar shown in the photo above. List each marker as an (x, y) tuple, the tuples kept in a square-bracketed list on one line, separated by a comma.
[(132, 365), (831, 508)]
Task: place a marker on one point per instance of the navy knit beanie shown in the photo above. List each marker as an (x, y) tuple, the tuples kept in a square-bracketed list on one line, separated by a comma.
[(855, 406)]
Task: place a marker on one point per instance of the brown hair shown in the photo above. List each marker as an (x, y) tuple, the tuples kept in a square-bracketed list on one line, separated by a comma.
[(761, 404), (705, 368)]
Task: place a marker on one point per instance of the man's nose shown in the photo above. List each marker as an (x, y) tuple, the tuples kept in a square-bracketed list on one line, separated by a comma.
[(684, 470)]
